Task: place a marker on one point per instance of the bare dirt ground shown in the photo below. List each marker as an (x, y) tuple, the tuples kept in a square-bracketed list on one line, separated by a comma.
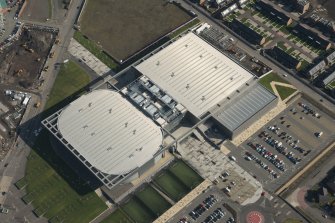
[(22, 62), (36, 10), (123, 27)]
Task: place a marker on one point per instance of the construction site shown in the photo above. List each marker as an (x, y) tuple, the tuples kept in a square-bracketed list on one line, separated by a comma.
[(22, 61)]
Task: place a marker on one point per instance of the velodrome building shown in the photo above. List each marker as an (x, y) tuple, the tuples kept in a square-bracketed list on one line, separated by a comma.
[(118, 134)]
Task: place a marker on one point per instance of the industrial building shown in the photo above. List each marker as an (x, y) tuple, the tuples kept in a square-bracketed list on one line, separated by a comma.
[(273, 13), (108, 135), (119, 134), (234, 116), (247, 33), (311, 37), (284, 58), (194, 73)]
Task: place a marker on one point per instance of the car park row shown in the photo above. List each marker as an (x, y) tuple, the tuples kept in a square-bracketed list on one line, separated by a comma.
[(217, 214)]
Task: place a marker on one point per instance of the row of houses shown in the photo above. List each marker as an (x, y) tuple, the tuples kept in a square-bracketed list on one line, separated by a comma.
[(320, 67), (273, 13), (247, 33), (283, 58), (298, 30), (232, 7), (310, 37), (301, 6), (323, 24)]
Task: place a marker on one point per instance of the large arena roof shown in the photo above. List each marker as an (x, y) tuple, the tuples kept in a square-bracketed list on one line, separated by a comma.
[(109, 132), (194, 73), (247, 104)]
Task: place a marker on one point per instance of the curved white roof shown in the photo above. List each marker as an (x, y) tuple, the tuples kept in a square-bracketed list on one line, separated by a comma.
[(109, 132)]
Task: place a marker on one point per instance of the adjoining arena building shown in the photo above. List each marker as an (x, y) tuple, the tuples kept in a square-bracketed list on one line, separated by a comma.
[(107, 131), (108, 134)]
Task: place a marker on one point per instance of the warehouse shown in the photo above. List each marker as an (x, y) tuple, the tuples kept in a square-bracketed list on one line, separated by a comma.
[(108, 134), (194, 73), (234, 116)]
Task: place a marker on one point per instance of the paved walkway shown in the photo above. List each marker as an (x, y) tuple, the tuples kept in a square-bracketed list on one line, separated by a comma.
[(81, 53), (183, 202)]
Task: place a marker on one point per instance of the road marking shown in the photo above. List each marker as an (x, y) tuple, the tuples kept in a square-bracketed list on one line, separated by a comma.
[(276, 205), (289, 212), (281, 206)]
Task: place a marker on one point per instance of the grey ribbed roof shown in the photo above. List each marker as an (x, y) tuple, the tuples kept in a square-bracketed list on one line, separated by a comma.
[(194, 73), (109, 132), (244, 106)]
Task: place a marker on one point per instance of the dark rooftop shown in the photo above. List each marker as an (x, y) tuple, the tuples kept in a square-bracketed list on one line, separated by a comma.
[(247, 33), (283, 58)]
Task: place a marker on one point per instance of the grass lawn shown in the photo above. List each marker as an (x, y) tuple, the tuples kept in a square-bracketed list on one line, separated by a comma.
[(117, 217), (95, 50), (332, 84), (281, 45), (265, 81), (138, 212), (153, 200), (185, 174), (71, 78), (284, 92), (54, 189), (184, 28), (171, 186)]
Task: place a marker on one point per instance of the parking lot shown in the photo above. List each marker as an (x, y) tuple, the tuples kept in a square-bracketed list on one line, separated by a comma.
[(207, 207), (286, 144)]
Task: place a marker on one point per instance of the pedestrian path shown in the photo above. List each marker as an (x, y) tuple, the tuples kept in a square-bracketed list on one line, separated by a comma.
[(81, 53)]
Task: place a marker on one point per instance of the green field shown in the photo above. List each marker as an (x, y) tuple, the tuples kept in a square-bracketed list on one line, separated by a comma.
[(184, 28), (70, 79), (117, 217), (95, 50), (284, 92), (53, 188), (185, 174), (153, 200), (171, 186), (265, 81), (138, 212)]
